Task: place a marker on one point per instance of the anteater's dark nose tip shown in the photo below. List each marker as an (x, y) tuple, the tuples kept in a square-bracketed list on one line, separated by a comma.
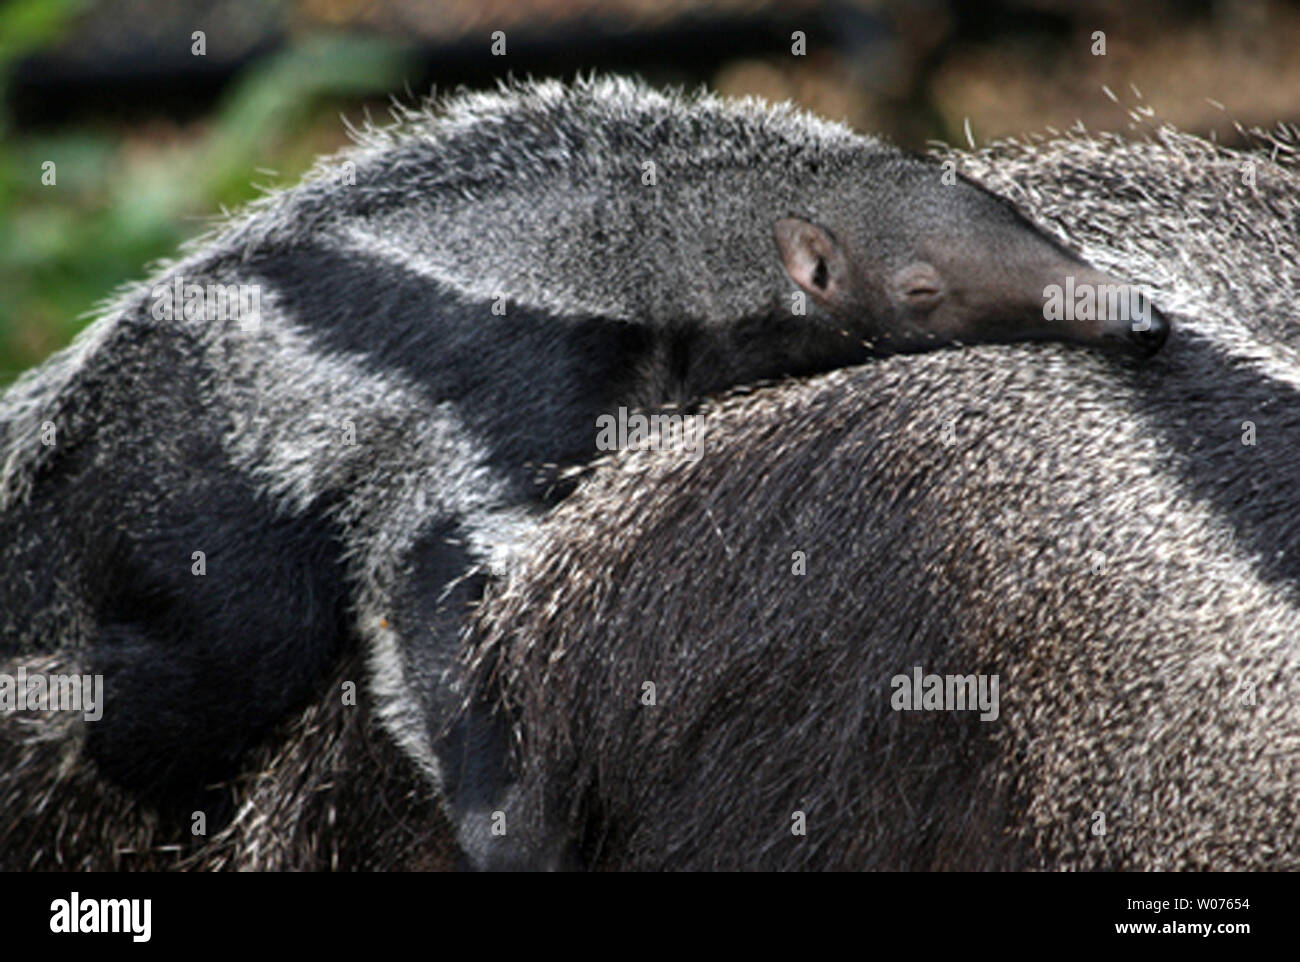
[(1147, 335)]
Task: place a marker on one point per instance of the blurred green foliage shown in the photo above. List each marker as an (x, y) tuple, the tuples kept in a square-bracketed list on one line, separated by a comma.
[(123, 198)]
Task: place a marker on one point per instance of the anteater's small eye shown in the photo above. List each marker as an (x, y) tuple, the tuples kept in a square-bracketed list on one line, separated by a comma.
[(918, 285)]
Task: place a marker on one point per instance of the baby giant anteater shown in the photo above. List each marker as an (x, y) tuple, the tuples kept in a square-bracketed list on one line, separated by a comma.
[(208, 502)]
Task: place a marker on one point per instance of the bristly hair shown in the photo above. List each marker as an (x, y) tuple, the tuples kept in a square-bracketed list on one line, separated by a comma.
[(1121, 686)]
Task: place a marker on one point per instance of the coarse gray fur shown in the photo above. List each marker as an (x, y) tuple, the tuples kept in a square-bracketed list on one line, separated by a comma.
[(353, 455), (327, 790), (1065, 426), (1098, 537)]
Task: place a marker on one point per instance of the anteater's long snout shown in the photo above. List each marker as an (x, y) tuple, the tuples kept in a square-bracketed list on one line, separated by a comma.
[(1045, 295), (1090, 306), (1127, 321), (1146, 341)]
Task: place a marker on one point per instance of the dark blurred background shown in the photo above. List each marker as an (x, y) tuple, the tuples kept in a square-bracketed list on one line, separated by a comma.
[(150, 139)]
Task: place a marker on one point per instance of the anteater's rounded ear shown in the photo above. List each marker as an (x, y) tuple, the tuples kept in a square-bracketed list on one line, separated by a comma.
[(812, 258)]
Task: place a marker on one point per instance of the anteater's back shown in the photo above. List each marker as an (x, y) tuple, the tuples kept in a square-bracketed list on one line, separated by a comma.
[(1120, 549)]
